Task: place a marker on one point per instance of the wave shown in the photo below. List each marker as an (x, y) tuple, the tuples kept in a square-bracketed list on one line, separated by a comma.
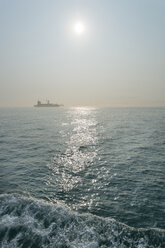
[(28, 222)]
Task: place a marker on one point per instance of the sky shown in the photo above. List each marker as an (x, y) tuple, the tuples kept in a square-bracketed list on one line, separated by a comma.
[(117, 60)]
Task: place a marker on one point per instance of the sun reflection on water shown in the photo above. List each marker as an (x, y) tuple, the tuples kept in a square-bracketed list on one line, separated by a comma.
[(69, 167)]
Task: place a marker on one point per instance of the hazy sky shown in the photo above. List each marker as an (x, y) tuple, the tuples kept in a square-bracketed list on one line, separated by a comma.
[(118, 60)]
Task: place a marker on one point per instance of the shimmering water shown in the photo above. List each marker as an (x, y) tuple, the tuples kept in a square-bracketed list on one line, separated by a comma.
[(82, 177)]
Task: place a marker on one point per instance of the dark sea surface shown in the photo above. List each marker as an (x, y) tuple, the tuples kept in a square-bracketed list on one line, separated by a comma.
[(82, 177)]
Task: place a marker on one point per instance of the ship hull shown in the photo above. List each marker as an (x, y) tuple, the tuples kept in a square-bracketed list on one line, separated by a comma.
[(47, 105)]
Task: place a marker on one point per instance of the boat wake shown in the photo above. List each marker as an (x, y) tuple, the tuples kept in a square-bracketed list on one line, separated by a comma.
[(27, 222)]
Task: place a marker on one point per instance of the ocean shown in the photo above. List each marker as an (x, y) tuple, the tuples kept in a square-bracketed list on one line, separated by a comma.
[(82, 177)]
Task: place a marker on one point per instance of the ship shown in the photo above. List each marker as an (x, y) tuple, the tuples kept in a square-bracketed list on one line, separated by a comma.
[(48, 104)]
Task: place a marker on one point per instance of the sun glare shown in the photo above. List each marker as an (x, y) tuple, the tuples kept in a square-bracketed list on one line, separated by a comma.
[(79, 28)]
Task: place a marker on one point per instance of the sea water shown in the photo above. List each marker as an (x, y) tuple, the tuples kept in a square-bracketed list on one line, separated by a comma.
[(82, 177)]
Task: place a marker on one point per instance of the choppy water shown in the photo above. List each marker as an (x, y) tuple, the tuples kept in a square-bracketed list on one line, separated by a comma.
[(82, 177)]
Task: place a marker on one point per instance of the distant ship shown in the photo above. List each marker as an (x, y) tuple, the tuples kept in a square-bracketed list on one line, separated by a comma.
[(48, 104)]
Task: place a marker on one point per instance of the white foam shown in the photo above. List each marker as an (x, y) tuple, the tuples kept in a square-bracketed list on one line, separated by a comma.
[(25, 219)]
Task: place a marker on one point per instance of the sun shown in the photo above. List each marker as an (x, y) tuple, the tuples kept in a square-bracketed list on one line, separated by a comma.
[(79, 28)]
